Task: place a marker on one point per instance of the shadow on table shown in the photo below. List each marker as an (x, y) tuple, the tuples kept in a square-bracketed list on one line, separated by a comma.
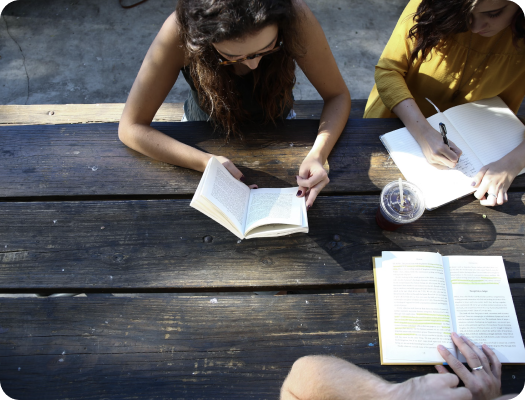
[(351, 217), (345, 228)]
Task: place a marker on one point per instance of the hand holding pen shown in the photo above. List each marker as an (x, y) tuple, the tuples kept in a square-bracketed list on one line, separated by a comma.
[(451, 146), (443, 130)]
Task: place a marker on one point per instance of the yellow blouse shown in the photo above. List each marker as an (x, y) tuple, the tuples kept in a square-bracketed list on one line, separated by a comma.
[(438, 77)]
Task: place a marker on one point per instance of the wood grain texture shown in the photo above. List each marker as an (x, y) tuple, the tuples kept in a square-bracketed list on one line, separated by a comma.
[(89, 159), (186, 347), (53, 114), (158, 245), (240, 347)]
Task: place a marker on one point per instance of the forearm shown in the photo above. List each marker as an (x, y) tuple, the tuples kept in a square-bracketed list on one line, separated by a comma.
[(413, 118), (333, 120), (330, 378), (157, 145)]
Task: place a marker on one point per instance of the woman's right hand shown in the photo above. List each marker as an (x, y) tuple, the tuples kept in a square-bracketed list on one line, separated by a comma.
[(436, 152), (230, 166)]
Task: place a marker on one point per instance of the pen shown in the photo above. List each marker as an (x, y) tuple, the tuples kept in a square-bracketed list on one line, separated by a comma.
[(443, 130)]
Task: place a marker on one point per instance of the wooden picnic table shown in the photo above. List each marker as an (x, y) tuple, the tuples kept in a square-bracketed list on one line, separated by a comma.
[(168, 307)]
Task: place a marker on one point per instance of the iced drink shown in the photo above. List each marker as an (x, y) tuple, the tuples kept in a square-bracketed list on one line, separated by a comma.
[(392, 213)]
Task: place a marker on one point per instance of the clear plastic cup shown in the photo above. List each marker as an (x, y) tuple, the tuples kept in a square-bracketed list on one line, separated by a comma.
[(391, 214)]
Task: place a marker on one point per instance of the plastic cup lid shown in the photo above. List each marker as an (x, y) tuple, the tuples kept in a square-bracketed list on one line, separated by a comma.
[(413, 202)]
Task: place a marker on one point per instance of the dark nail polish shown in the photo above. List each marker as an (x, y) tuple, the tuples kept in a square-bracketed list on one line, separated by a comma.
[(308, 207), (243, 178), (299, 192)]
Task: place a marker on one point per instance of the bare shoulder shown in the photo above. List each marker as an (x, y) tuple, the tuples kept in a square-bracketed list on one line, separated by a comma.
[(157, 75), (304, 13), (308, 26), (169, 41)]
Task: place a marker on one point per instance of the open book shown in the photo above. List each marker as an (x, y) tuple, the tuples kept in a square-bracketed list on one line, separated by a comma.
[(485, 130), (423, 297), (248, 213)]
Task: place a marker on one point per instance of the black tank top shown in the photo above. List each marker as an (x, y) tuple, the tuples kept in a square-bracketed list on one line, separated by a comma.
[(244, 86)]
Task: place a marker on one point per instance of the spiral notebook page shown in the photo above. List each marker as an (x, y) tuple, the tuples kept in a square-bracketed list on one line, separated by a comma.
[(489, 127)]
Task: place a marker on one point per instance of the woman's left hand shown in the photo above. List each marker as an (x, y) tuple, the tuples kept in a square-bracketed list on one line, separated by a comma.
[(494, 180), (484, 382), (312, 179)]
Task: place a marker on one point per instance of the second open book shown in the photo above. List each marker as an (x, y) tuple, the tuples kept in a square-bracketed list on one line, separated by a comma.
[(423, 297), (248, 213), (485, 130)]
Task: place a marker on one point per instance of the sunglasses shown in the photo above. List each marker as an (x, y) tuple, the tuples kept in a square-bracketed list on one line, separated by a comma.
[(275, 49)]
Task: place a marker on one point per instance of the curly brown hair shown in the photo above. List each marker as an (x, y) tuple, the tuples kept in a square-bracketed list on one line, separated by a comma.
[(203, 22), (437, 20)]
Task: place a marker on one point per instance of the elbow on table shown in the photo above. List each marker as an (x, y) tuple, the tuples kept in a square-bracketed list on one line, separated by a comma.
[(124, 132), (307, 379), (342, 101)]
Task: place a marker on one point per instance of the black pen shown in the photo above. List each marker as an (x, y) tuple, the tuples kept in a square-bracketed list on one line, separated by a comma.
[(443, 130)]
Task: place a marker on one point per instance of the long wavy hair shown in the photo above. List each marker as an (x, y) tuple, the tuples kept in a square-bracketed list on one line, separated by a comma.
[(437, 20), (204, 22)]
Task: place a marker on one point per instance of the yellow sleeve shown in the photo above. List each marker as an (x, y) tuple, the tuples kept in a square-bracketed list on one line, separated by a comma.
[(393, 65)]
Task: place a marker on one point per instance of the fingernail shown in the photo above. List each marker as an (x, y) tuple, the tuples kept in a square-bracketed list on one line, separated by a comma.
[(441, 347), (299, 192), (243, 178), (308, 207), (454, 334), (473, 184)]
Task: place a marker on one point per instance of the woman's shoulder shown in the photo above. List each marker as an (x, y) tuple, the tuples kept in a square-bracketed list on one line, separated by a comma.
[(170, 39), (300, 5), (303, 13), (407, 16)]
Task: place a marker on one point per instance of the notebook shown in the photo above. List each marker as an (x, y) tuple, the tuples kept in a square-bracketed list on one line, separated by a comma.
[(485, 130)]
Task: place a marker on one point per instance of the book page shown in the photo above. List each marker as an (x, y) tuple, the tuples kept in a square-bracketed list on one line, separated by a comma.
[(489, 127), (274, 230), (227, 193), (483, 307), (440, 186), (413, 307), (274, 206)]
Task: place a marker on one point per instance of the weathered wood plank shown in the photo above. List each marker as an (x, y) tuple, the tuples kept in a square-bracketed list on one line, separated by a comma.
[(41, 114), (157, 245), (89, 159), (188, 347), (311, 109)]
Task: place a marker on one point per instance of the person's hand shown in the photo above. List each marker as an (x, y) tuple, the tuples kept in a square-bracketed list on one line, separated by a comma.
[(484, 384), (493, 181), (429, 387), (234, 170), (436, 152), (312, 179)]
